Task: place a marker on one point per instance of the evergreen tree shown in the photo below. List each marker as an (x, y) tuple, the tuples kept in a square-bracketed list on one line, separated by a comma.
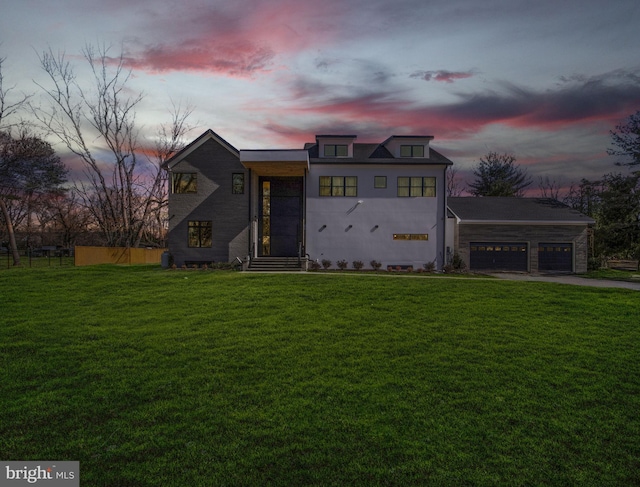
[(498, 175)]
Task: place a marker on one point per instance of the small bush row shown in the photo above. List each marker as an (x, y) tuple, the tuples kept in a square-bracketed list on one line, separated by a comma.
[(214, 266), (457, 265)]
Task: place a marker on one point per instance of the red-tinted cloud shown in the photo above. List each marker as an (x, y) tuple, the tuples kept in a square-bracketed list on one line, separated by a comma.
[(229, 57), (236, 39)]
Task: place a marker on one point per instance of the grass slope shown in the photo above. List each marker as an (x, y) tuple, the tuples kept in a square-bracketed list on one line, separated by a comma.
[(152, 377)]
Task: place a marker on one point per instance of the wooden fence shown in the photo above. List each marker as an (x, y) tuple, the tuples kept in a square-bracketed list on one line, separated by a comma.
[(116, 255), (623, 265)]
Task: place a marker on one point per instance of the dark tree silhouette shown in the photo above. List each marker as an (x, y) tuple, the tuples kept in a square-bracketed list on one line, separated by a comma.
[(498, 175), (29, 168), (626, 141)]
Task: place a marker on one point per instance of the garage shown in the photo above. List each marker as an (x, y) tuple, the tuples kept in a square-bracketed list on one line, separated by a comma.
[(494, 233), (556, 257), (499, 256)]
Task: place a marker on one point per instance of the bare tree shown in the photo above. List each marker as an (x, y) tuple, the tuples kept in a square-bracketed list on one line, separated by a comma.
[(548, 188), (63, 218), (454, 186), (169, 140), (9, 106), (120, 189)]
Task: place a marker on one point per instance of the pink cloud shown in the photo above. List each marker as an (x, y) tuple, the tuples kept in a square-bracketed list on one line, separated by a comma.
[(594, 103), (230, 57), (237, 39)]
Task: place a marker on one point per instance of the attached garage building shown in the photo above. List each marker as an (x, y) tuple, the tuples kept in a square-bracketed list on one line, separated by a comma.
[(518, 234)]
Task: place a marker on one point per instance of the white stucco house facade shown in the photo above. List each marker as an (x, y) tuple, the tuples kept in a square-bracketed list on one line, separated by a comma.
[(334, 199)]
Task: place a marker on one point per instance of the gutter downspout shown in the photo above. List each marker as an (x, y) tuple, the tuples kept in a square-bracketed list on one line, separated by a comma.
[(444, 219)]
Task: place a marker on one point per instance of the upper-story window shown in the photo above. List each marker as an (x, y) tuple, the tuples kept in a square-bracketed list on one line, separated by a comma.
[(237, 183), (412, 151), (336, 150), (338, 186), (184, 182), (420, 186)]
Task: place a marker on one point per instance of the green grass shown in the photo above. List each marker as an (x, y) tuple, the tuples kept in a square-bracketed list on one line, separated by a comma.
[(614, 274), (194, 378)]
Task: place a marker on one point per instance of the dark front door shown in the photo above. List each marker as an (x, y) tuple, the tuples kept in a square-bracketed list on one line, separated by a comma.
[(280, 216)]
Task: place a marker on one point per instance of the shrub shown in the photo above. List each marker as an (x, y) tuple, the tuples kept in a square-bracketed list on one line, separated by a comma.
[(375, 265), (326, 263), (458, 263), (358, 264), (342, 264), (430, 266), (314, 265)]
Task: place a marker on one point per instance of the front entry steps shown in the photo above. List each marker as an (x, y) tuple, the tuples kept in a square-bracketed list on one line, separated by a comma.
[(277, 264)]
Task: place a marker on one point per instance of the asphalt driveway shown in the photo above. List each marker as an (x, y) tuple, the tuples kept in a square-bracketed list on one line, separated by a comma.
[(570, 279)]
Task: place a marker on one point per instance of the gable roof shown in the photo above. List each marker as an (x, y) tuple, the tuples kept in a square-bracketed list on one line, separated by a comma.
[(206, 136), (510, 210)]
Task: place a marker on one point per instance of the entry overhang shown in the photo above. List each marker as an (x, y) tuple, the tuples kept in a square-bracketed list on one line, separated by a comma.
[(276, 162)]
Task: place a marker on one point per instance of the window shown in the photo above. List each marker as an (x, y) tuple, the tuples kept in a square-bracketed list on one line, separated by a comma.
[(237, 183), (338, 186), (199, 234), (412, 151), (380, 182), (416, 186), (410, 236), (336, 150), (184, 182)]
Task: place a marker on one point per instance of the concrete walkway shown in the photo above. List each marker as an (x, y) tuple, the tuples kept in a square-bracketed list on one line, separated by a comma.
[(570, 279)]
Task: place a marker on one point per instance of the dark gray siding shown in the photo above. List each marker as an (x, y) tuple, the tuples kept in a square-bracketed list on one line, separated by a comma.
[(229, 213)]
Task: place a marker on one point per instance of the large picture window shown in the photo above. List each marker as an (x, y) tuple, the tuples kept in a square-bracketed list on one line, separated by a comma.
[(420, 186), (199, 234), (338, 186), (184, 182)]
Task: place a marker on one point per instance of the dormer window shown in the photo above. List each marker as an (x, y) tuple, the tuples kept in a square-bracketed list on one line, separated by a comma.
[(336, 150), (412, 151), (335, 146)]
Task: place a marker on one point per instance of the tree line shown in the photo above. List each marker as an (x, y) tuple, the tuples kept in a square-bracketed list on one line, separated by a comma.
[(121, 198)]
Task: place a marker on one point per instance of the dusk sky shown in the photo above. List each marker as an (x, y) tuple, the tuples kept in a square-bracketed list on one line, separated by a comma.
[(543, 80)]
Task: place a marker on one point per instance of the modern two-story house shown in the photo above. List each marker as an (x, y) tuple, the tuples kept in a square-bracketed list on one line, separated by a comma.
[(335, 199)]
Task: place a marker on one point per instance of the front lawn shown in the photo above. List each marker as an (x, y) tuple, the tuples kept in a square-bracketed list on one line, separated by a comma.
[(198, 378)]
